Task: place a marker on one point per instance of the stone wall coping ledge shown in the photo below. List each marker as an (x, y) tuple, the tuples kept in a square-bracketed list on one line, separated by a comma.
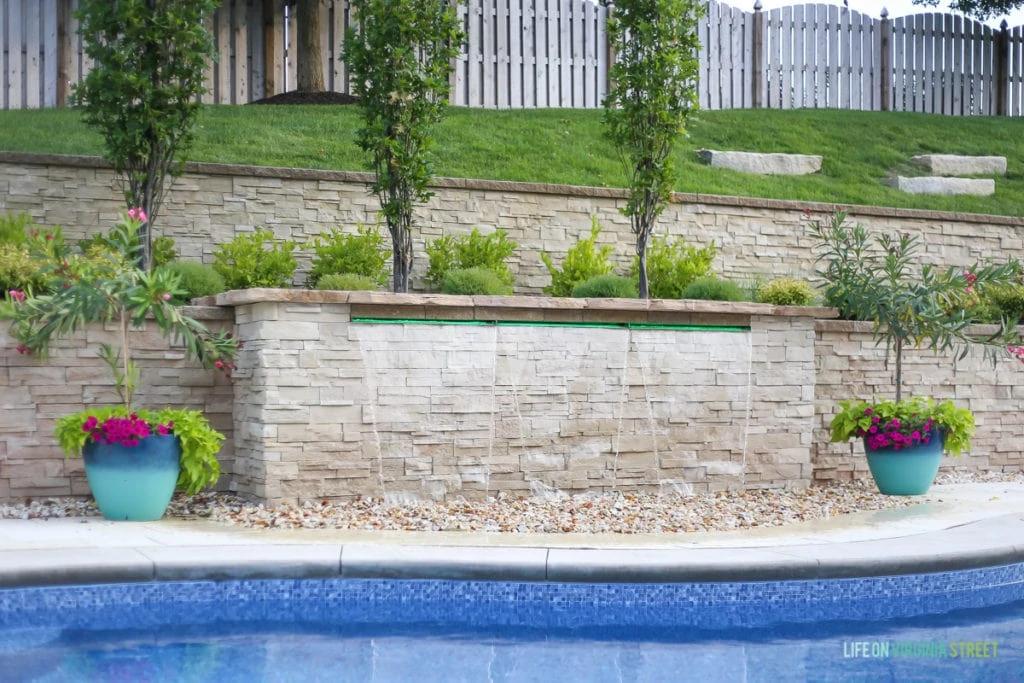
[(83, 161), (416, 303)]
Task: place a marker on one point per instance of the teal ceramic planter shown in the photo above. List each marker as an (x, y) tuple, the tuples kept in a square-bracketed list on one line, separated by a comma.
[(907, 471), (133, 483)]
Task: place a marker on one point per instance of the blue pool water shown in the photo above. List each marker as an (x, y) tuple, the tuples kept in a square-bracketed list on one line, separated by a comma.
[(964, 626)]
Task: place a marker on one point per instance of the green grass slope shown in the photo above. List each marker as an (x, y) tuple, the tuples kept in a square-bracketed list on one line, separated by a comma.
[(567, 146)]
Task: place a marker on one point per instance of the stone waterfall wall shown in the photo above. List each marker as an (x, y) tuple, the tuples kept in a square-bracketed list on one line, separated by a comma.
[(548, 396)]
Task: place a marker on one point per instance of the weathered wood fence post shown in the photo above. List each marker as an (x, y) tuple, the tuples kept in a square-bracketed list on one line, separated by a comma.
[(610, 49), (757, 58), (65, 52), (1002, 69), (885, 62)]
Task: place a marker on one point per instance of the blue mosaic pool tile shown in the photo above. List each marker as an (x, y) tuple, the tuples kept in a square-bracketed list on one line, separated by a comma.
[(493, 603)]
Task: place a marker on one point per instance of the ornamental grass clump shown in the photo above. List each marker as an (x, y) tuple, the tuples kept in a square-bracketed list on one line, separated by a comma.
[(115, 290), (911, 305)]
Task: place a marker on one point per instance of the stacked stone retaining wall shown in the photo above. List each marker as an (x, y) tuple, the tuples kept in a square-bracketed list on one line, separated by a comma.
[(757, 239), (323, 406), (35, 392)]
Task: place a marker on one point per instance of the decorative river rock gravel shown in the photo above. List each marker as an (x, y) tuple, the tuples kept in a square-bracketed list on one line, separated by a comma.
[(622, 512)]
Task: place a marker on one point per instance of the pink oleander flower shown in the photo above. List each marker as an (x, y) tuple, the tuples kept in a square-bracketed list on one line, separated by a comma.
[(166, 296), (137, 213), (16, 295)]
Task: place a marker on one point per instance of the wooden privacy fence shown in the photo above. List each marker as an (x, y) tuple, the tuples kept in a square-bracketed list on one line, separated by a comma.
[(831, 56), (554, 53)]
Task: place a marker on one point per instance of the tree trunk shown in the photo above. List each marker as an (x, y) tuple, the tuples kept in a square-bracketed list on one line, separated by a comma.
[(310, 70), (401, 250), (899, 370), (641, 252)]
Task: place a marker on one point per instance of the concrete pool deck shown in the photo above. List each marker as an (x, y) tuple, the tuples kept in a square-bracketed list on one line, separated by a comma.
[(954, 526)]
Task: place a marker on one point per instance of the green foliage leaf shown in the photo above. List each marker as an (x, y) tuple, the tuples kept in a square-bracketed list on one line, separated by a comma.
[(255, 260), (363, 253), (475, 250), (477, 280), (582, 262), (785, 292), (606, 286), (673, 265)]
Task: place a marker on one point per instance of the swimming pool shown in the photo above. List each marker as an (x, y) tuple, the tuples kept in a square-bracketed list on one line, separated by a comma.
[(390, 629)]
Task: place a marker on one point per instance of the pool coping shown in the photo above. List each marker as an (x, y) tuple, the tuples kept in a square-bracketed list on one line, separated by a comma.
[(947, 546)]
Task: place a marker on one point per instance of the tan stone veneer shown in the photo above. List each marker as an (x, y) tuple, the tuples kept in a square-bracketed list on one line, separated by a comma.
[(578, 395), (211, 203), (35, 392)]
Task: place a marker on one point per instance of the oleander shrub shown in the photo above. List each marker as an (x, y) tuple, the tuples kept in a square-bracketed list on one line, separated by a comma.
[(476, 280), (583, 261), (785, 292), (363, 253), (195, 279), (255, 260), (606, 286), (475, 250), (713, 289), (348, 282), (673, 264), (164, 250)]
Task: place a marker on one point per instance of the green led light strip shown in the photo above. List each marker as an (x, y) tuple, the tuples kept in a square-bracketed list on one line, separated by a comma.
[(535, 323)]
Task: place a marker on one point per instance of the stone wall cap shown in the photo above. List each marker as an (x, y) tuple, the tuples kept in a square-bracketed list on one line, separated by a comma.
[(440, 302)]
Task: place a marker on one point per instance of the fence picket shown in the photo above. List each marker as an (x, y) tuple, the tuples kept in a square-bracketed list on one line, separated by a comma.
[(15, 63), (739, 69), (502, 66), (820, 28), (31, 78), (529, 34), (1015, 87)]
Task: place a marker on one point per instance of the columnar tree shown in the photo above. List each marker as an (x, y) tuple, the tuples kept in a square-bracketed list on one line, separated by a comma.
[(652, 92), (143, 92), (400, 60)]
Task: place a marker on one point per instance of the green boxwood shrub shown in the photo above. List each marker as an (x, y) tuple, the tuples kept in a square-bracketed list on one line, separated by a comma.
[(348, 282), (255, 260), (672, 265), (582, 262), (713, 289), (475, 250), (474, 281), (785, 292), (364, 253), (606, 286), (996, 303), (18, 270), (195, 279), (14, 227)]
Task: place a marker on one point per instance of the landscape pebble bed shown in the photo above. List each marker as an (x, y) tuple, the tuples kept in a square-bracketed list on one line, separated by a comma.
[(551, 512)]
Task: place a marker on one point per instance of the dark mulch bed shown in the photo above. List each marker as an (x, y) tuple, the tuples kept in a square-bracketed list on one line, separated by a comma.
[(321, 97)]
